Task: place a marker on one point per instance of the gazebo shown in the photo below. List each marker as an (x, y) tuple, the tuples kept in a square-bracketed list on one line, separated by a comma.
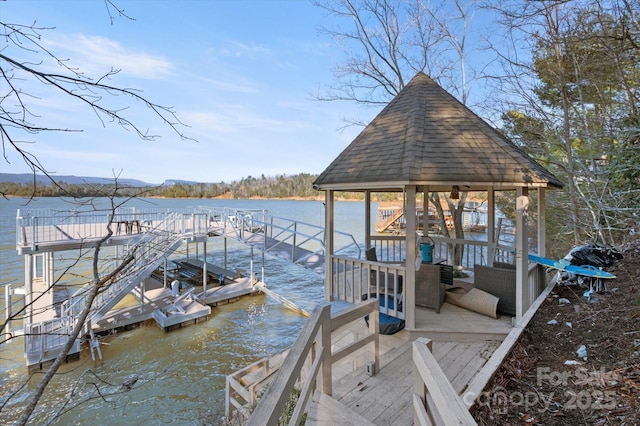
[(426, 141)]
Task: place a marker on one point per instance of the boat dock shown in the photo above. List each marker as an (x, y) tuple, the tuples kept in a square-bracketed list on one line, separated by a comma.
[(138, 254)]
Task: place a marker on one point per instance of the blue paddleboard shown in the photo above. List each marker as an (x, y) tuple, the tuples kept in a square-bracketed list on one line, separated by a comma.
[(565, 265)]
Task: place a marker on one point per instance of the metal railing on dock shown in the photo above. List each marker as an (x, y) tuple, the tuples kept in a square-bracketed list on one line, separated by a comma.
[(298, 242)]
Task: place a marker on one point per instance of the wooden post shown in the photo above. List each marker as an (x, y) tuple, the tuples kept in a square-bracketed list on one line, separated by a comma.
[(542, 241), (328, 246), (327, 380), (367, 219), (419, 387), (522, 251), (410, 262), (491, 226)]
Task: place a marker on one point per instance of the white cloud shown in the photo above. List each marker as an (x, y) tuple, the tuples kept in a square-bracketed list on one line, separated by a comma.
[(238, 49), (96, 55)]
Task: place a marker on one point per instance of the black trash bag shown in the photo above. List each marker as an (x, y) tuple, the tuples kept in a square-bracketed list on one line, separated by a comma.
[(593, 254)]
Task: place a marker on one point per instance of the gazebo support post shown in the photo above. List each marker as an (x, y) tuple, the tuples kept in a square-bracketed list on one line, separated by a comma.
[(410, 269), (523, 300), (542, 240), (425, 210), (542, 220), (328, 245), (491, 226), (367, 219)]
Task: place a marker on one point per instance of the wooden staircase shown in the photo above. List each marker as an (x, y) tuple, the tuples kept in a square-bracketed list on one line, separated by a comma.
[(388, 217), (324, 410)]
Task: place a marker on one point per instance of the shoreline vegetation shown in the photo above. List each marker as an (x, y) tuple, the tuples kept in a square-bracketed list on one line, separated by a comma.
[(294, 187)]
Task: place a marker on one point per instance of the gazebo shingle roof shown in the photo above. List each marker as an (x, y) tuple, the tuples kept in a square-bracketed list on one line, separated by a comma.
[(425, 136)]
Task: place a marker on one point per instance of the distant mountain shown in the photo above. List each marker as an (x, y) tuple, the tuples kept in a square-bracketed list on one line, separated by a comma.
[(26, 178)]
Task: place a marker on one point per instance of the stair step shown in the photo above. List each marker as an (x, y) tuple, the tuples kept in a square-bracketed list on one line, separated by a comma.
[(324, 410)]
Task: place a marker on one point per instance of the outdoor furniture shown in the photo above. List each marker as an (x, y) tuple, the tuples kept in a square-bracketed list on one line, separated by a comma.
[(499, 280), (429, 287)]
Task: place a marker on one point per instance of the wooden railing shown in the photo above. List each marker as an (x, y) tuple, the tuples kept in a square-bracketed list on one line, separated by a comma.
[(355, 280), (392, 248), (308, 362), (435, 401), (244, 385)]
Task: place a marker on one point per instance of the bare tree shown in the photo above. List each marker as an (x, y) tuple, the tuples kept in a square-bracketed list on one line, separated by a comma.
[(26, 63), (569, 69), (386, 42)]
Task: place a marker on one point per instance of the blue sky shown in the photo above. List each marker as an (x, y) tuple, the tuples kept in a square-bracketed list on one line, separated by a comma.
[(239, 73)]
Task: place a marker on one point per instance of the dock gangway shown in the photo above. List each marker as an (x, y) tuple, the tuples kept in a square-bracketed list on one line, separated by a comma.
[(298, 242)]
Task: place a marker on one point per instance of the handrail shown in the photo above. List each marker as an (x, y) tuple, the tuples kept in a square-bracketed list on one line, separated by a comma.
[(149, 250), (272, 403), (299, 235), (392, 248), (435, 401), (314, 341), (38, 226), (354, 280)]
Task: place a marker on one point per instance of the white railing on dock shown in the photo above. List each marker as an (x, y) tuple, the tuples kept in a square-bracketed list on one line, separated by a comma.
[(44, 339), (356, 280), (308, 363), (147, 255), (435, 401), (40, 226)]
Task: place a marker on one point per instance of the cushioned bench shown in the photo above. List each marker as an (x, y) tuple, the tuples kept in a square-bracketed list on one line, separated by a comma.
[(499, 280)]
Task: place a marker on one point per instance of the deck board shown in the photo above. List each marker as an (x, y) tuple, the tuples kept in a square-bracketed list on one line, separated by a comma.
[(454, 323), (386, 398)]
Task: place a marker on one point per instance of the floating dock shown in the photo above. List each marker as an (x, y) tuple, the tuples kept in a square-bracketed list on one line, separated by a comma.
[(142, 244)]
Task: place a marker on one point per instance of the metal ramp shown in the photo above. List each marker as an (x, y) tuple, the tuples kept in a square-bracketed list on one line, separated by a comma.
[(297, 242)]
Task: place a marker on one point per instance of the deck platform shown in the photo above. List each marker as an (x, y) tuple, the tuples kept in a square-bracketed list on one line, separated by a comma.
[(130, 317), (229, 292), (386, 398), (184, 310)]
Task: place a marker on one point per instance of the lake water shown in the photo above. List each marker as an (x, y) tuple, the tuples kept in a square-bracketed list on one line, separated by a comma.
[(181, 374)]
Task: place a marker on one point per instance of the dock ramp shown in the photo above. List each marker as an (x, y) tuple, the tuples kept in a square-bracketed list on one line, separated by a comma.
[(297, 242)]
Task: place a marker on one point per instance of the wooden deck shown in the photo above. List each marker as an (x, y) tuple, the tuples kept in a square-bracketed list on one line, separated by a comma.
[(386, 398), (454, 323)]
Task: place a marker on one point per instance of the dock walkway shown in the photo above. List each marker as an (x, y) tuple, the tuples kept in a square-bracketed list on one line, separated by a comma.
[(282, 248)]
